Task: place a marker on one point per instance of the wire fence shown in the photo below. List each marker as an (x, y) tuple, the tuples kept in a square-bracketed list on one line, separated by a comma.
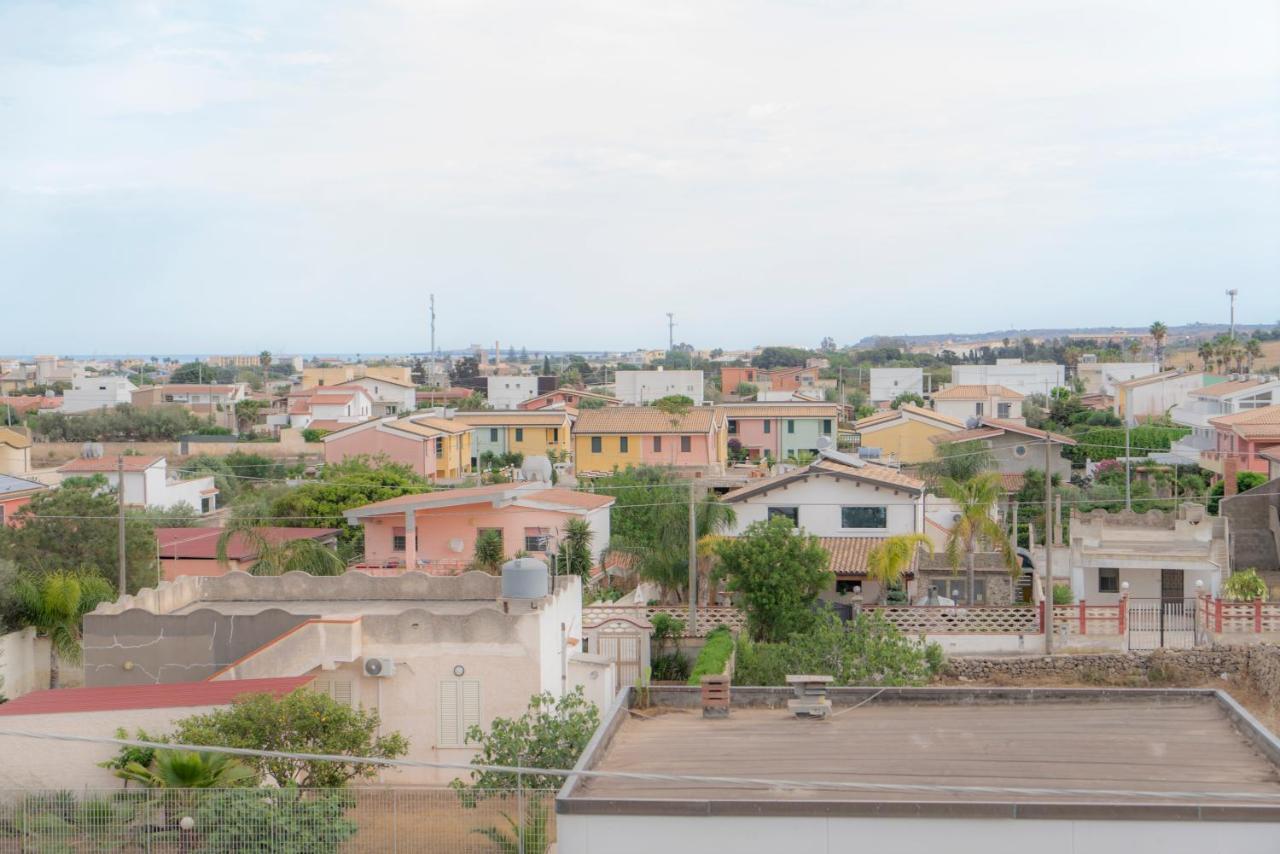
[(292, 821)]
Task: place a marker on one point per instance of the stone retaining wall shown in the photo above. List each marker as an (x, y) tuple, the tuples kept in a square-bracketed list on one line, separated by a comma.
[(1260, 663)]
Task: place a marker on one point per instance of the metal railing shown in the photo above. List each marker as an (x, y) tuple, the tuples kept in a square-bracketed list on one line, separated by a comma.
[(313, 821)]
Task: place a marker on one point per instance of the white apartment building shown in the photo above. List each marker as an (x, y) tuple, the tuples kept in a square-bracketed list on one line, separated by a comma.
[(638, 388), (91, 393), (1214, 401), (506, 392), (888, 383), (1023, 377), (148, 483), (1101, 377)]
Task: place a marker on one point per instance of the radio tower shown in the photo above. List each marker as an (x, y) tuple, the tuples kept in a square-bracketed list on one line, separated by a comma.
[(431, 377)]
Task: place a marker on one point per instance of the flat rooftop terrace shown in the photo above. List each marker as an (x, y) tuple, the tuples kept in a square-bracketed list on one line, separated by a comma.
[(337, 607), (1115, 750)]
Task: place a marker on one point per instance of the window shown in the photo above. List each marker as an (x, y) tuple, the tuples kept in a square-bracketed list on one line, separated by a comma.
[(519, 434), (493, 434), (206, 505), (791, 425), (623, 444), (1109, 579), (657, 444), (686, 444), (826, 426), (768, 427), (977, 408), (733, 427), (338, 690), (864, 517), (597, 444), (535, 539), (1002, 410), (439, 449), (397, 539), (392, 409), (459, 710), (792, 513), (555, 434), (957, 589)]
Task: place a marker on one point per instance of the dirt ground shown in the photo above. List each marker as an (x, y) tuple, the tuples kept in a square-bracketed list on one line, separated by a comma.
[(1180, 357)]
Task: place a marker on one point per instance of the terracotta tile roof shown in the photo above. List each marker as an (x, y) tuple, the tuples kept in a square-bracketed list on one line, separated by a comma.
[(331, 399), (976, 392), (121, 697), (202, 543), (643, 419), (902, 411), (332, 425), (1262, 423), (442, 425), (453, 393), (871, 471), (25, 403), (515, 492), (993, 427), (1012, 482), (1226, 388), (849, 555), (781, 410), (1272, 454), (189, 388), (107, 464), (514, 418), (1155, 378), (568, 497), (532, 402)]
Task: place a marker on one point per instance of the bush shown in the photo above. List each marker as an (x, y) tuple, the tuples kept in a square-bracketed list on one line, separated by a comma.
[(312, 434), (1245, 481), (669, 667), (714, 655), (282, 821), (1245, 586), (868, 650), (1062, 594)]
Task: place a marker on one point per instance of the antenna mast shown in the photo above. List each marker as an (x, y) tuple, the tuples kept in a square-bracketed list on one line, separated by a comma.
[(431, 378), (671, 331)]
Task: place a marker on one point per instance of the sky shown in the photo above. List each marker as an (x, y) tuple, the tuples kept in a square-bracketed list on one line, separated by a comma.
[(299, 175)]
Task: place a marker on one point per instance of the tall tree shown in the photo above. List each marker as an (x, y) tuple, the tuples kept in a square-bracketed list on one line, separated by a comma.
[(1159, 332), (277, 556), (891, 559), (775, 573), (575, 549), (975, 501), (54, 605), (264, 359)]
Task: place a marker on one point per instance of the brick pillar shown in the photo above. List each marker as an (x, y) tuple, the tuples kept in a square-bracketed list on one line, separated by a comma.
[(1230, 466), (1257, 616), (715, 696), (1084, 620), (1217, 616)]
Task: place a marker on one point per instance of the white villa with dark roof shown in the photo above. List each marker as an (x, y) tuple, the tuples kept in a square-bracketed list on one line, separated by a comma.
[(148, 482)]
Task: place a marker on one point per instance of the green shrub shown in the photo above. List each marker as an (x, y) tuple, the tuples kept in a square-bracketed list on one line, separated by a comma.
[(1062, 594), (282, 821), (714, 655), (1245, 586)]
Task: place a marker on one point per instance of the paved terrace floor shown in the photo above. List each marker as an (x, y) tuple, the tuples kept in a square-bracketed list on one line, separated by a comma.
[(1152, 745)]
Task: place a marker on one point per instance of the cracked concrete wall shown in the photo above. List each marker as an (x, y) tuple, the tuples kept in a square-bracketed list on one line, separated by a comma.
[(140, 648)]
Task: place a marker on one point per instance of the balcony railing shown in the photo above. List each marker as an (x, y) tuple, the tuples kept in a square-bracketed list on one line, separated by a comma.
[(1246, 462)]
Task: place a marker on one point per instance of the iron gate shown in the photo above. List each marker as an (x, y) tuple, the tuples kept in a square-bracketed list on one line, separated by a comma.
[(1162, 623)]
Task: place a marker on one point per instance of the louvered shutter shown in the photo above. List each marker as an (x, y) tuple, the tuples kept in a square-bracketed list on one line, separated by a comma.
[(470, 707), (342, 691), (447, 714)]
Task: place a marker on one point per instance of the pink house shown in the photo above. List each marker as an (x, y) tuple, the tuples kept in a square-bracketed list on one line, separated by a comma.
[(1245, 435), (436, 531), (435, 448), (566, 397)]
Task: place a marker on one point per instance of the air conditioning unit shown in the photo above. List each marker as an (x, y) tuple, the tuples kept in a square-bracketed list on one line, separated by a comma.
[(379, 667)]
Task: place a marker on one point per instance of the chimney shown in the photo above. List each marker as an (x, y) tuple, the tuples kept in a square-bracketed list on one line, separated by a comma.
[(1230, 466), (811, 696), (715, 696)]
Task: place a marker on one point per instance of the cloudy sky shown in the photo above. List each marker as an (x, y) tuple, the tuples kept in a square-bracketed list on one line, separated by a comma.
[(298, 175)]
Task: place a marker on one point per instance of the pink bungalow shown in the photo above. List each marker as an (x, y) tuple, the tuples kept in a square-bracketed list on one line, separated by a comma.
[(436, 531), (1245, 435)]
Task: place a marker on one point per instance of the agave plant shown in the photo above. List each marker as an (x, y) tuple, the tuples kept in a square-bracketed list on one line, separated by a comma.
[(188, 769)]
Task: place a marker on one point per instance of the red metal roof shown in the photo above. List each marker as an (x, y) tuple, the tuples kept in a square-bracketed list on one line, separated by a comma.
[(202, 543), (118, 697)]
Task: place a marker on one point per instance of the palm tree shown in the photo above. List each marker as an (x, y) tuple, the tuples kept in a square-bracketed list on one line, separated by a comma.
[(54, 605), (1134, 349), (892, 558), (1205, 353), (1253, 351), (264, 359), (188, 769), (575, 549), (663, 557), (1159, 332), (976, 501), (276, 557)]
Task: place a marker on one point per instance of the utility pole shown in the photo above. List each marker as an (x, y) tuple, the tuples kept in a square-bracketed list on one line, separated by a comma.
[(430, 378), (1232, 294), (120, 549), (1048, 544), (671, 332), (693, 561), (1128, 493)]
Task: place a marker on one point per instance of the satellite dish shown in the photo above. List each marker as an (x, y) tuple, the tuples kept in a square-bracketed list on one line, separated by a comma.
[(455, 545)]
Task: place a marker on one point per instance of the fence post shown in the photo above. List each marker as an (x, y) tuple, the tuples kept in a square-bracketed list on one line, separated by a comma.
[(1257, 616), (395, 820), (520, 805), (1084, 619), (1042, 611), (1122, 613)]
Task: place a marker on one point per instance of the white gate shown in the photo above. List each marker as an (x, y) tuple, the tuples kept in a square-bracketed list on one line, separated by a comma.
[(624, 652), (1162, 623)]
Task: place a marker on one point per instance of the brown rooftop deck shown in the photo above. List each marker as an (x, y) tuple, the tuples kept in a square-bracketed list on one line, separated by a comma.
[(1102, 742)]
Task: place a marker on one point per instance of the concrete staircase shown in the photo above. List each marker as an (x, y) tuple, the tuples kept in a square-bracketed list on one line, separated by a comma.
[(320, 643)]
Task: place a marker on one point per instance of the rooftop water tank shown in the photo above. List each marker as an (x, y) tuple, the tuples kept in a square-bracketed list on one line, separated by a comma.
[(524, 578)]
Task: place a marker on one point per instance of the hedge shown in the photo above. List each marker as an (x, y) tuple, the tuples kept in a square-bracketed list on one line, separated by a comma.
[(714, 655)]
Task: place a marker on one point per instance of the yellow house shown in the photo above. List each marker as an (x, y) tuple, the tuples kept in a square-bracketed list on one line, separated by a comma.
[(391, 373), (313, 377), (508, 432), (15, 451), (903, 433), (621, 436), (453, 446)]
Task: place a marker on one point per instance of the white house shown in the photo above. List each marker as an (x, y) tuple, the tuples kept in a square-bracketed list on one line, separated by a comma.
[(967, 402), (849, 503), (506, 392), (888, 383), (1153, 396), (638, 388), (1101, 377), (388, 397), (90, 393), (1023, 377), (1214, 401), (326, 407), (148, 483)]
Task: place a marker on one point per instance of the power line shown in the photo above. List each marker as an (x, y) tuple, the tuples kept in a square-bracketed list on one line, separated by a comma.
[(710, 780)]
